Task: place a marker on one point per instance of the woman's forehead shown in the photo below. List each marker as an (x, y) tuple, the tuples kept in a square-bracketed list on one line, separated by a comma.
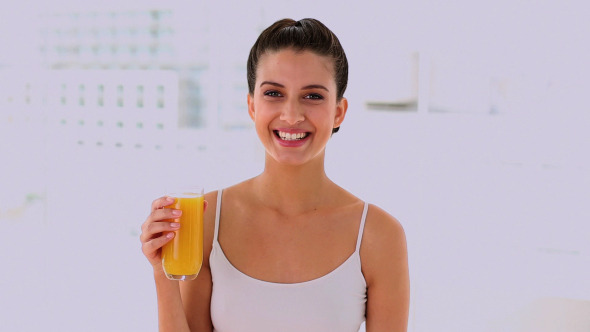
[(295, 64)]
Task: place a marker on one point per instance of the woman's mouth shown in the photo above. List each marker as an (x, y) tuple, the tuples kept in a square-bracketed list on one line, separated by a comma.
[(285, 136)]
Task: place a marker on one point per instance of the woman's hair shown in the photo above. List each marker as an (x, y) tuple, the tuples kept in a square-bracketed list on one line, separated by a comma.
[(307, 34)]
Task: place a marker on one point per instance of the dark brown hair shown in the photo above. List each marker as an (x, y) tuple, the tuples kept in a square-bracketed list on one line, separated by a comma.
[(306, 34)]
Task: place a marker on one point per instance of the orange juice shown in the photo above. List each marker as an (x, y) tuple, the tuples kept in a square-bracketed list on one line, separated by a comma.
[(183, 255)]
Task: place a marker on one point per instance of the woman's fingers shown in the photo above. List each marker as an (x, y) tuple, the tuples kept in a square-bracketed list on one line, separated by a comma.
[(158, 229), (162, 202), (159, 221), (156, 221), (165, 201), (163, 214), (151, 229), (150, 248)]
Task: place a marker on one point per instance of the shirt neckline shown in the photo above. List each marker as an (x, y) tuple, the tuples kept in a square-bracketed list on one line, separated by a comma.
[(326, 276)]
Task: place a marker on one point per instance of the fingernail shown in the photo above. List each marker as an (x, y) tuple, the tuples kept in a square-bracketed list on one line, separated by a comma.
[(170, 199), (174, 224), (170, 235), (176, 212)]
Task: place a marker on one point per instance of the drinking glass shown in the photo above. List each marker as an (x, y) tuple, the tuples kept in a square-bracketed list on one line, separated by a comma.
[(182, 257)]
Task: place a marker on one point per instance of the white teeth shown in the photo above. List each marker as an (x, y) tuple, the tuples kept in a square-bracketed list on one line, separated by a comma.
[(291, 137)]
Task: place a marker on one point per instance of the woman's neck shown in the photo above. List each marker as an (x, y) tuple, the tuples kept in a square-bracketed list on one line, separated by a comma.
[(293, 189)]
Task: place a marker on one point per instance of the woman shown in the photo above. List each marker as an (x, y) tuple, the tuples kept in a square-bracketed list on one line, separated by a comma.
[(288, 250)]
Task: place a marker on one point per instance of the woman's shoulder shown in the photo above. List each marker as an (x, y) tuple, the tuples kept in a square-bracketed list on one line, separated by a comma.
[(380, 221), (380, 226), (236, 189), (383, 243), (239, 190), (210, 210)]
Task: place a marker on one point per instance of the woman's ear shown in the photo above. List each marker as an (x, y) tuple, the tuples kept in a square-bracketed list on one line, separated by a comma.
[(251, 107), (341, 108)]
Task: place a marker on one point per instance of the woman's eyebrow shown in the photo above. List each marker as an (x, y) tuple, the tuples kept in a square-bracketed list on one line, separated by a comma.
[(315, 86), (307, 87), (272, 83)]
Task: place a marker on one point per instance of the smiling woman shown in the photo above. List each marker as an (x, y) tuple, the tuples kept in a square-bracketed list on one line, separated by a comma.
[(296, 104), (306, 34), (289, 250)]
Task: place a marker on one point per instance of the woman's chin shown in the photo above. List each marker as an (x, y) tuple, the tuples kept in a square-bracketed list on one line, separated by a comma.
[(294, 158), (289, 160)]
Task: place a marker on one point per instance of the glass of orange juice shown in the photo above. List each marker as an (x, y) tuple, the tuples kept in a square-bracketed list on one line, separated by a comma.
[(182, 257)]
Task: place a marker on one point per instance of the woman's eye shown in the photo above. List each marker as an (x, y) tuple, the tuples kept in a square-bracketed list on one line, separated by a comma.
[(272, 93), (314, 96)]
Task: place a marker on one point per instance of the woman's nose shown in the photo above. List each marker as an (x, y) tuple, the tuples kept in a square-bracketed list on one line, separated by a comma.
[(292, 113)]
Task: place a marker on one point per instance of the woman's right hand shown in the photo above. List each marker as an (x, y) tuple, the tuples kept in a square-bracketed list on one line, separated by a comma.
[(158, 229)]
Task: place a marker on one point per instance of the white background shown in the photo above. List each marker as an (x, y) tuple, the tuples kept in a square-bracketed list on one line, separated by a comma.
[(489, 174)]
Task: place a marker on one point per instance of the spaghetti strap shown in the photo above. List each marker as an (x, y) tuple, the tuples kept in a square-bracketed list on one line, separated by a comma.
[(217, 213), (361, 227)]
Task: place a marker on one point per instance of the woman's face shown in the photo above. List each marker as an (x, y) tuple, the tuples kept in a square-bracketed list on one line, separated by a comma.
[(294, 105)]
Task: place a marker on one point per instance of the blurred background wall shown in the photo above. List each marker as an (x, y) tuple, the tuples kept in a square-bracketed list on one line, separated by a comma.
[(467, 121)]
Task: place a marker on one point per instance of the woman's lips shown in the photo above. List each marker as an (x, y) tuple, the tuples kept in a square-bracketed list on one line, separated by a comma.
[(291, 137)]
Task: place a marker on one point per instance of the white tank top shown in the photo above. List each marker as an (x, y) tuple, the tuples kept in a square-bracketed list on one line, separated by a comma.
[(333, 302)]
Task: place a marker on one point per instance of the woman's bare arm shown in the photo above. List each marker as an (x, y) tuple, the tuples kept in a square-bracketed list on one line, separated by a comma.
[(182, 306), (171, 315), (196, 298), (156, 231), (384, 260)]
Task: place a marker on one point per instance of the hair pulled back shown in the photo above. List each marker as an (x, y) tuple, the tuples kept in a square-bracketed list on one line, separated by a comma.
[(307, 34)]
